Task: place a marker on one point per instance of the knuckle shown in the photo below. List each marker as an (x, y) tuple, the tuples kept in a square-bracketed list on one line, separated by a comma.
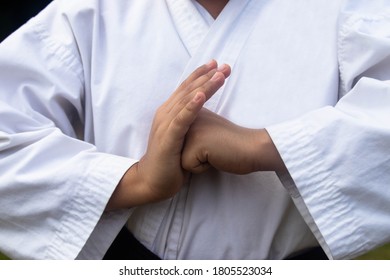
[(185, 162), (180, 122), (183, 102), (198, 72), (160, 112), (211, 73), (204, 88), (185, 84)]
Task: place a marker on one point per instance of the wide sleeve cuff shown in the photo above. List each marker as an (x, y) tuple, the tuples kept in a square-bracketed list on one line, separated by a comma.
[(83, 223), (303, 146)]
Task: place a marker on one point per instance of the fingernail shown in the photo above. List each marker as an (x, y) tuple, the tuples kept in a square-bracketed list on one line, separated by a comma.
[(211, 63), (222, 67)]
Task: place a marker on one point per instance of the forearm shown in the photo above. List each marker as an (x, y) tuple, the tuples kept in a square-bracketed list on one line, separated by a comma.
[(131, 191), (217, 142), (265, 153)]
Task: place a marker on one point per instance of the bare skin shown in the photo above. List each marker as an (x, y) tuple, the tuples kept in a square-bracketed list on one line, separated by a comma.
[(217, 142), (186, 138), (214, 7), (159, 174)]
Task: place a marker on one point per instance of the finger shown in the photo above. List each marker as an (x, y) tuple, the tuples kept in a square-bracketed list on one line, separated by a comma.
[(212, 85), (200, 82), (208, 84), (190, 88), (190, 162), (196, 167), (225, 69), (198, 77), (198, 72), (186, 116)]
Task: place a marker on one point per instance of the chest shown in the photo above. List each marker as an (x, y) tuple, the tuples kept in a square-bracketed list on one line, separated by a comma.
[(284, 66)]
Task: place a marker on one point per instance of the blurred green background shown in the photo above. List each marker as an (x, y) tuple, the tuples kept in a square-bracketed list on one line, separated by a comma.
[(14, 13)]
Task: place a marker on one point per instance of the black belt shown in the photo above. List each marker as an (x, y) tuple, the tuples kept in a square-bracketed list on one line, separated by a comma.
[(127, 247), (315, 253)]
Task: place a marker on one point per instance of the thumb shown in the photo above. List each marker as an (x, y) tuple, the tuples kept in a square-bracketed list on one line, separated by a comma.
[(183, 120)]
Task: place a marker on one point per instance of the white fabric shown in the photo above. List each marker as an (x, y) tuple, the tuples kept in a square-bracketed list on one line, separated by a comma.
[(205, 14), (345, 148), (96, 71)]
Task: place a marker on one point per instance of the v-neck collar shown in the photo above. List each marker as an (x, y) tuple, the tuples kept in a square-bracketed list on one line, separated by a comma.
[(203, 11), (223, 40), (192, 26), (189, 23)]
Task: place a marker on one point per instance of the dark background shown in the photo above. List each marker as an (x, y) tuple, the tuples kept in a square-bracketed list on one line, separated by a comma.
[(14, 13)]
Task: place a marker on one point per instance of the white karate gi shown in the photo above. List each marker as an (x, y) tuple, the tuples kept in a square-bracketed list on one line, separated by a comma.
[(79, 85)]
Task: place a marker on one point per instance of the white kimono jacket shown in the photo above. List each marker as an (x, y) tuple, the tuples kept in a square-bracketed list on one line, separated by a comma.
[(79, 85)]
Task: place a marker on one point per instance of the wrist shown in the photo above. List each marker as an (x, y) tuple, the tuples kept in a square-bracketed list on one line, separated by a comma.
[(267, 157), (130, 191)]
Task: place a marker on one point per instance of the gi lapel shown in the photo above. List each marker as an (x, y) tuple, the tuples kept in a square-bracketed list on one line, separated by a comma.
[(223, 41), (189, 24)]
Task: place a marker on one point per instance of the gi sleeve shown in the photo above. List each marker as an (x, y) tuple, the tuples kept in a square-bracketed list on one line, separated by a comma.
[(338, 157), (54, 186)]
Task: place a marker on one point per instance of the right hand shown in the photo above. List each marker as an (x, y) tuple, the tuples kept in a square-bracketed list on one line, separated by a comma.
[(159, 174)]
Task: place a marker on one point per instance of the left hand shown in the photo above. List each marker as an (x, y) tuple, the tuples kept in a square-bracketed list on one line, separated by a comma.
[(215, 141)]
